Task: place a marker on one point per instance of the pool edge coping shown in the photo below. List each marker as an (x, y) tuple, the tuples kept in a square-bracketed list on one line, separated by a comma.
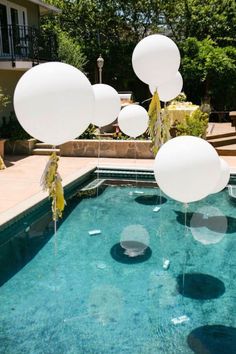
[(21, 208), (26, 205), (15, 212)]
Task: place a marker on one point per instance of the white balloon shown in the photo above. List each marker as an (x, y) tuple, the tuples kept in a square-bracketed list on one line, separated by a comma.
[(54, 102), (107, 105), (223, 178), (171, 89), (186, 167), (152, 89), (133, 120), (155, 59), (208, 225)]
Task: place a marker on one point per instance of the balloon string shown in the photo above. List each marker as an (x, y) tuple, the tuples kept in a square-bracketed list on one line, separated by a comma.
[(98, 159), (55, 257), (185, 234), (55, 233), (160, 198), (55, 237), (135, 162), (55, 216)]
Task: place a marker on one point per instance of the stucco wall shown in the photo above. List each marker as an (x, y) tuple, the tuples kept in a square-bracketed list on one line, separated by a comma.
[(8, 81), (32, 12)]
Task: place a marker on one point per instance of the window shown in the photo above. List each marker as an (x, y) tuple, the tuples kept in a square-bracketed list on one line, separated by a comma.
[(13, 19)]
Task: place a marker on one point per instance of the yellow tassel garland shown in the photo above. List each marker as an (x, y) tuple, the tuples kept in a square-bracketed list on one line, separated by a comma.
[(51, 182), (159, 123), (2, 164)]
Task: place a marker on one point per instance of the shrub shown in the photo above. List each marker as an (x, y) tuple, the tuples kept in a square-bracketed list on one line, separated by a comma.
[(12, 129), (89, 133), (194, 124), (4, 99)]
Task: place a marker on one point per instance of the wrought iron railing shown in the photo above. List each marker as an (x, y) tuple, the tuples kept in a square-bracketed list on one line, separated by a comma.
[(27, 43)]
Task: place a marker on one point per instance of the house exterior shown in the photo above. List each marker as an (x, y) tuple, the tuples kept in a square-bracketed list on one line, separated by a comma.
[(22, 43)]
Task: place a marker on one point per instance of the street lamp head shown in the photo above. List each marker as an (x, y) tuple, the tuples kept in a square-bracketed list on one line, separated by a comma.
[(100, 62)]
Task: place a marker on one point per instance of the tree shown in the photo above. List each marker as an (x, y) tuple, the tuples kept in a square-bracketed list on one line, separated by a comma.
[(201, 19), (69, 50), (111, 28), (209, 72), (205, 31)]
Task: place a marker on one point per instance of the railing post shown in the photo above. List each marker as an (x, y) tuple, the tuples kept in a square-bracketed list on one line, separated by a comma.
[(11, 46)]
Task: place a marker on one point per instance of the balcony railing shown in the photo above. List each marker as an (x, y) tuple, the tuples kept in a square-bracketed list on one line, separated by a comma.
[(27, 43)]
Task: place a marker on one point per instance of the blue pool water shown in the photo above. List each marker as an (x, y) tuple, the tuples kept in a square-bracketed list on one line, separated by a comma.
[(80, 294)]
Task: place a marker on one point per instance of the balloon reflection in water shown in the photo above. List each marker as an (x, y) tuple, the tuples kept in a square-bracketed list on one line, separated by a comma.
[(135, 240), (208, 225)]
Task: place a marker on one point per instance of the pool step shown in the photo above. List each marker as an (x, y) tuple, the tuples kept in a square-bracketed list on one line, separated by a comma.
[(44, 149), (219, 136), (130, 174), (223, 141), (94, 184), (91, 189), (227, 150), (232, 190)]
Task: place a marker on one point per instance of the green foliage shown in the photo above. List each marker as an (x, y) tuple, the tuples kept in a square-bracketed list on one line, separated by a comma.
[(89, 133), (209, 72), (69, 51), (204, 31), (195, 124), (111, 28), (11, 129), (196, 18), (180, 98), (120, 136), (4, 99)]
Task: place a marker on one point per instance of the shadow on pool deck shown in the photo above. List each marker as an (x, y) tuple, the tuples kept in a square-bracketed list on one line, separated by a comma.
[(11, 160)]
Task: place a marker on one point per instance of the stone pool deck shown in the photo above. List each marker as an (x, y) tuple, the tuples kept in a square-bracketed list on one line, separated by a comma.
[(20, 182)]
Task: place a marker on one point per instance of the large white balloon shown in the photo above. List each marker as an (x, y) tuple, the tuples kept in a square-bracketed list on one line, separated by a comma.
[(186, 167), (155, 59), (133, 120), (223, 178), (54, 102), (170, 89), (107, 105)]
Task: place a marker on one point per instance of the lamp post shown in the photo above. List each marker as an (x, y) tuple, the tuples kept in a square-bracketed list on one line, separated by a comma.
[(100, 63)]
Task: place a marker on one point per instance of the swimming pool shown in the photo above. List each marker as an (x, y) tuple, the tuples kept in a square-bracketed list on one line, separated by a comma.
[(78, 293)]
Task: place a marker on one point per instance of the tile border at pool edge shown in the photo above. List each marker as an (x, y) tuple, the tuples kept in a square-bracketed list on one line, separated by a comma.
[(26, 205)]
